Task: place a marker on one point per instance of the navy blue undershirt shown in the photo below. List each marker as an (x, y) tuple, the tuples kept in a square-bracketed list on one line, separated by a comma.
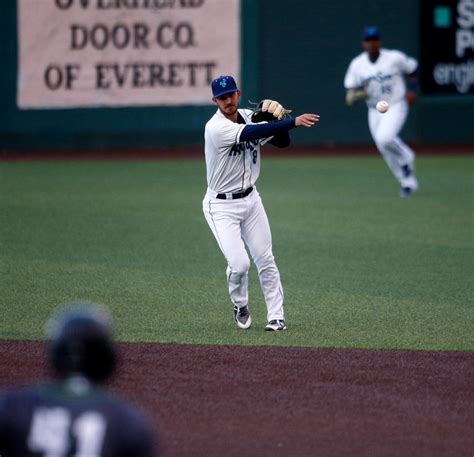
[(278, 129)]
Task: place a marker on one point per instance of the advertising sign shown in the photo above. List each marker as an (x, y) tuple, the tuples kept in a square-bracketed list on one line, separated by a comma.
[(90, 53), (447, 47)]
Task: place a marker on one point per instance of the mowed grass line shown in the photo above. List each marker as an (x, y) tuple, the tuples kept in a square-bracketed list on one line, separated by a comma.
[(360, 266)]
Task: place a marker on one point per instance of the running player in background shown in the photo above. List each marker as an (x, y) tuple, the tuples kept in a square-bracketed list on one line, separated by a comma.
[(232, 205), (379, 74), (73, 416)]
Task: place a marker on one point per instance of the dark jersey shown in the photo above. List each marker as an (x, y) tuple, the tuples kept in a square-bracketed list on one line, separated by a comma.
[(72, 418)]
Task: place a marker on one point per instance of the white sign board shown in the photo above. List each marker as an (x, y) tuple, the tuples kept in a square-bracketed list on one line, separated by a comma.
[(90, 53)]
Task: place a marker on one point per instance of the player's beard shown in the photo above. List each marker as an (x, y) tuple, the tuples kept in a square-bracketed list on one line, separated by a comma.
[(230, 109)]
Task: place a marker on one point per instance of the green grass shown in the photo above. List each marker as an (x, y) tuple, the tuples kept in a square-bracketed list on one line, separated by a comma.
[(360, 266)]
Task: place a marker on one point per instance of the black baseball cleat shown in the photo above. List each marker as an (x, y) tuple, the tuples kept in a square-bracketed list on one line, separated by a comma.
[(407, 191), (410, 186), (242, 317), (276, 325)]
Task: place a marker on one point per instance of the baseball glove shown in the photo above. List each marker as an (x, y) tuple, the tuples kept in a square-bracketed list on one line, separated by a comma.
[(355, 95), (269, 110)]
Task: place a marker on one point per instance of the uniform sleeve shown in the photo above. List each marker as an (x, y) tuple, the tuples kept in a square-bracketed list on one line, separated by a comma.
[(4, 432), (254, 132), (225, 133), (407, 64), (3, 415), (351, 81), (142, 440), (280, 140)]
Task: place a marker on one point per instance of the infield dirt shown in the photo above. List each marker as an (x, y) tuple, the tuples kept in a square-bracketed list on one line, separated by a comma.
[(245, 401)]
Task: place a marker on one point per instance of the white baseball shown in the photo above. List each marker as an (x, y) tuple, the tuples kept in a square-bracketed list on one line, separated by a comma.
[(382, 106)]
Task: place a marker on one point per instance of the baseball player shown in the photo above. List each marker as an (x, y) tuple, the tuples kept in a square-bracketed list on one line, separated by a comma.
[(379, 74), (73, 416), (232, 205)]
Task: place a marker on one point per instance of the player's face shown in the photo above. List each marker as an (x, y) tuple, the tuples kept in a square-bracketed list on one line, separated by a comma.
[(228, 103), (371, 46)]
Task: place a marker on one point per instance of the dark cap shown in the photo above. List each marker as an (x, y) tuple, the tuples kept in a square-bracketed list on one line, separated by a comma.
[(223, 85), (80, 341), (371, 32)]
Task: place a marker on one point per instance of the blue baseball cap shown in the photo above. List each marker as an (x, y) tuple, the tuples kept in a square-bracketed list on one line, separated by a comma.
[(223, 85), (371, 32)]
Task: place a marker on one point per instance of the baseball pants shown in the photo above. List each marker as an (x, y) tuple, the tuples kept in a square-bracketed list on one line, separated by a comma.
[(385, 128), (233, 223)]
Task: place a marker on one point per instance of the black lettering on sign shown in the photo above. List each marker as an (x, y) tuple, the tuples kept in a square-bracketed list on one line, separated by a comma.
[(56, 77), (191, 3), (153, 74), (100, 76), (66, 4), (181, 35), (146, 4), (53, 77), (118, 36)]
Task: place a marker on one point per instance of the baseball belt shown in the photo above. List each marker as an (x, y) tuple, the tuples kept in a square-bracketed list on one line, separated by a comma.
[(236, 195)]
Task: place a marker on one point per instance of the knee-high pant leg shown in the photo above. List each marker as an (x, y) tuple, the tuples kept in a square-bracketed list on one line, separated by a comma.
[(385, 129), (257, 235), (224, 219), (232, 222)]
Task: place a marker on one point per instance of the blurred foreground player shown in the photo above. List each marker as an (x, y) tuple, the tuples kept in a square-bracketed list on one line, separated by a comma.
[(379, 74), (72, 415)]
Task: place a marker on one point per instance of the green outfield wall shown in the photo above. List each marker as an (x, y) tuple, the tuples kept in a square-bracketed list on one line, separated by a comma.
[(294, 51)]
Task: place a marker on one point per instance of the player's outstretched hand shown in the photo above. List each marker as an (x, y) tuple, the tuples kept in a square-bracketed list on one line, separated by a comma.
[(306, 120)]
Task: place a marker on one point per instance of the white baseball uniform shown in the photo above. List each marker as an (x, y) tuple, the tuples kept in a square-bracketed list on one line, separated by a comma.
[(384, 80), (233, 167)]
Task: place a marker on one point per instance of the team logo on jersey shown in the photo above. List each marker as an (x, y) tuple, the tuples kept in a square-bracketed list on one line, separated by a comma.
[(250, 146), (379, 77)]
